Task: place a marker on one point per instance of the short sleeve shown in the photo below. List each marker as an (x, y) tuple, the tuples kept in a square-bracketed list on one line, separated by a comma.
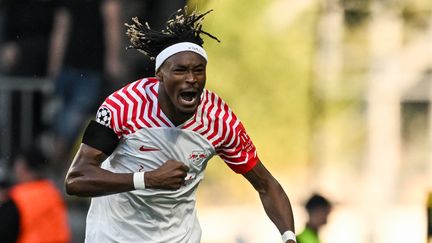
[(237, 149), (109, 115)]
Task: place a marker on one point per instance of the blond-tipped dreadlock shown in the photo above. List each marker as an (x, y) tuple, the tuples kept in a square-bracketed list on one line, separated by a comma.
[(180, 27)]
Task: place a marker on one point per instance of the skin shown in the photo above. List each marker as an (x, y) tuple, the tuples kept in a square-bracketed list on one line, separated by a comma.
[(182, 72), (318, 217)]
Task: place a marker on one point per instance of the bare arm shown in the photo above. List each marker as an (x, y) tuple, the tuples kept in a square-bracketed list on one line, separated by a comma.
[(275, 201), (59, 38), (111, 12), (87, 179)]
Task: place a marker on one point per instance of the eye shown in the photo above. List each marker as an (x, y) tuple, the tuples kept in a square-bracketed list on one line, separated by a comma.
[(179, 70), (199, 70)]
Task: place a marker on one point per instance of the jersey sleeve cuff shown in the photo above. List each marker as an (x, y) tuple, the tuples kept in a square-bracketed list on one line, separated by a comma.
[(244, 168)]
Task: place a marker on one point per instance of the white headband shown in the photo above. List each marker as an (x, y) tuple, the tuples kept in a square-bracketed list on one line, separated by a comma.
[(176, 48)]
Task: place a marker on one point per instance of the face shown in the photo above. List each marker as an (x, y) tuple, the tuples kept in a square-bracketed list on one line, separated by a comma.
[(182, 79), (19, 168), (319, 216)]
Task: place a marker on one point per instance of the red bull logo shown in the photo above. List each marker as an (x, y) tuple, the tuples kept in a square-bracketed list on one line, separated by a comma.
[(196, 157)]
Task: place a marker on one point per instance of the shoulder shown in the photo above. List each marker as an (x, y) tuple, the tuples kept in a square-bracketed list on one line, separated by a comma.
[(139, 87), (128, 96), (126, 104), (214, 106)]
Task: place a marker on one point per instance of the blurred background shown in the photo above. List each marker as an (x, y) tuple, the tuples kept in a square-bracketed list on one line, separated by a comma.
[(335, 95)]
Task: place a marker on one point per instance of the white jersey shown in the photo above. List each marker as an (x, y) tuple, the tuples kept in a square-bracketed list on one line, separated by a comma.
[(147, 140)]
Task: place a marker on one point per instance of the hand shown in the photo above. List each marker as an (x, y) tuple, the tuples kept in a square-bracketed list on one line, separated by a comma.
[(114, 69), (170, 176), (9, 56)]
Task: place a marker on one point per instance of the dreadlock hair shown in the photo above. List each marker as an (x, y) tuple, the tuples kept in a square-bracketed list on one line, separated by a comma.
[(180, 27)]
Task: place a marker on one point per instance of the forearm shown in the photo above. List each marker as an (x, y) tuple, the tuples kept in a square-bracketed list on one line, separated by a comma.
[(111, 14), (275, 202), (59, 39), (278, 207), (85, 178)]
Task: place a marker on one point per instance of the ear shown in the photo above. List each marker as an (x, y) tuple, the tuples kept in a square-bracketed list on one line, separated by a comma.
[(159, 75)]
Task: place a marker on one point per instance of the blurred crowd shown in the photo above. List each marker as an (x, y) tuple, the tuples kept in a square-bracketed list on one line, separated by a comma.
[(79, 48)]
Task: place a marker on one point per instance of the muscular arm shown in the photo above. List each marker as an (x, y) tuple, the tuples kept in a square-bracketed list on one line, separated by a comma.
[(86, 178), (275, 202)]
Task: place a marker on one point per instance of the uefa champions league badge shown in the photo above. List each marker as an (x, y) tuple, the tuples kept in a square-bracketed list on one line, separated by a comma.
[(103, 116)]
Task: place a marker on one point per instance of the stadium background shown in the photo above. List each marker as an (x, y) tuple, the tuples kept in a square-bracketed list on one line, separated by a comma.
[(335, 95)]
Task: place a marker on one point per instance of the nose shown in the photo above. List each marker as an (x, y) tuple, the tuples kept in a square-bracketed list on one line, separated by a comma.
[(190, 77)]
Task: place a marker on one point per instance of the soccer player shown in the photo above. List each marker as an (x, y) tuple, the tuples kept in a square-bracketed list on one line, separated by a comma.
[(159, 133)]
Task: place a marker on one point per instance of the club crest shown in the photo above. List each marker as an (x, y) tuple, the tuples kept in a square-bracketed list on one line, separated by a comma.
[(197, 157)]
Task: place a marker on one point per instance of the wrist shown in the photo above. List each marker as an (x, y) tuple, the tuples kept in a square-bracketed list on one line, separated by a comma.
[(139, 180), (288, 237)]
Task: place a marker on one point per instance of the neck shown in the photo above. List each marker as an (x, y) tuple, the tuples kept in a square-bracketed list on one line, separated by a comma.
[(27, 177), (312, 227)]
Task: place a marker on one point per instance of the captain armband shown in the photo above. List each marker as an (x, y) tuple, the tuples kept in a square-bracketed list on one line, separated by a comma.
[(100, 137)]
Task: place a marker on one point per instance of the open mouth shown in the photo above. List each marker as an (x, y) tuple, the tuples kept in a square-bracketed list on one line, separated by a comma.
[(188, 97)]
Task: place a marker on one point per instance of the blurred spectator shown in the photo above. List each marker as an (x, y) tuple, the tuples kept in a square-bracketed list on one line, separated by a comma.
[(318, 208), (8, 214), (26, 35), (85, 53), (156, 13), (26, 29), (33, 210)]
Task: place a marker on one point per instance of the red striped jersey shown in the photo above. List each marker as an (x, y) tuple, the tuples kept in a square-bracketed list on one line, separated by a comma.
[(136, 106), (147, 140)]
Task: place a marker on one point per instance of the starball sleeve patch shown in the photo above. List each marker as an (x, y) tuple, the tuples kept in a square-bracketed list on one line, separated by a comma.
[(103, 116)]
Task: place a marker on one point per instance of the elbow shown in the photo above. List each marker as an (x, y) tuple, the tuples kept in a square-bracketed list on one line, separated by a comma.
[(70, 186), (74, 185)]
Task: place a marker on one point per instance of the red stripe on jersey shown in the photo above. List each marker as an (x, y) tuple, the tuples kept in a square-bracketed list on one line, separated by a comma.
[(232, 133), (216, 121), (210, 118), (150, 108), (224, 125), (158, 112), (135, 105), (202, 108), (117, 127), (244, 168), (124, 113), (143, 102)]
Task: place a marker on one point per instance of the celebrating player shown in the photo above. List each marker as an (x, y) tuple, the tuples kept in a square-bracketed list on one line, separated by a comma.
[(159, 133)]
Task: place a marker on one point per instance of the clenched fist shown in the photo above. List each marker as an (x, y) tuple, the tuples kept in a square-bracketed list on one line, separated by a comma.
[(170, 176)]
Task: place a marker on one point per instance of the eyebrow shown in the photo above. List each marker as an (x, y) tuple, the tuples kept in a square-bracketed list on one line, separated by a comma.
[(185, 66)]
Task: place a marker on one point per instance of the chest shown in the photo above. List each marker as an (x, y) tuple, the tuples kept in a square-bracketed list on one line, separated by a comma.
[(148, 148)]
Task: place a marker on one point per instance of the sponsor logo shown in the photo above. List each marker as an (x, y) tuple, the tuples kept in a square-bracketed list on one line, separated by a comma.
[(147, 149), (141, 169)]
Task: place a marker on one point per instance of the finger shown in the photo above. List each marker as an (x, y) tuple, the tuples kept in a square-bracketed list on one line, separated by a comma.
[(185, 168)]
